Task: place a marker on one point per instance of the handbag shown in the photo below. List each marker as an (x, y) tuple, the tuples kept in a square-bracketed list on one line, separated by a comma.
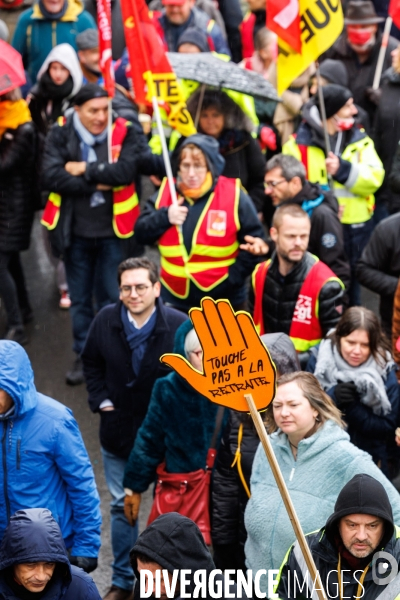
[(188, 493)]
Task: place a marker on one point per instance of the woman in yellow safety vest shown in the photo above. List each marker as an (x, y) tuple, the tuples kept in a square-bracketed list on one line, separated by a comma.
[(353, 165), (199, 238)]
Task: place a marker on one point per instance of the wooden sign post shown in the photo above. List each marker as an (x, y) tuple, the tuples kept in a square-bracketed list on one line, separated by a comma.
[(238, 373)]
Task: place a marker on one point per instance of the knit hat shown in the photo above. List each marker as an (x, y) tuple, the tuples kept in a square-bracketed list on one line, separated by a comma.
[(87, 40), (335, 97), (334, 71), (195, 36), (88, 92)]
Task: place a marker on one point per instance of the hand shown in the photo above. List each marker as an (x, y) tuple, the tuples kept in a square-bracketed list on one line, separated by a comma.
[(235, 361), (87, 563), (131, 507), (346, 393), (397, 436), (373, 95), (75, 168), (332, 164), (102, 187), (106, 408), (255, 245), (177, 213), (155, 180)]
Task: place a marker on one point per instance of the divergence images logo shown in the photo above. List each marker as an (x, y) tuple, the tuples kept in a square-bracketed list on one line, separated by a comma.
[(384, 568)]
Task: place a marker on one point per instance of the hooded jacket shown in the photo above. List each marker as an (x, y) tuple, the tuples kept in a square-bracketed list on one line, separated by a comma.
[(35, 36), (229, 497), (38, 103), (360, 171), (326, 235), (152, 223), (107, 364), (33, 535), (326, 461), (162, 437), (44, 462), (363, 494), (173, 542)]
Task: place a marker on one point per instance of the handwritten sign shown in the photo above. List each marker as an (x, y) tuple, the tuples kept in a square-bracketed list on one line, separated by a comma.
[(235, 360)]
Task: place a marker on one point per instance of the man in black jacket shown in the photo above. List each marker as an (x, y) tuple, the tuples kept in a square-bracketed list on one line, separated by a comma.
[(285, 183), (379, 266), (92, 204), (357, 552), (121, 364), (294, 292)]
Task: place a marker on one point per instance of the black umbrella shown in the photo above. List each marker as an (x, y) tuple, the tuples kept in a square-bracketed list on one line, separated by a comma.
[(208, 69)]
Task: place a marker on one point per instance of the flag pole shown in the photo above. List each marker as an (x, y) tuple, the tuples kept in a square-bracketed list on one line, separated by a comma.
[(109, 136), (323, 118), (165, 152), (382, 53)]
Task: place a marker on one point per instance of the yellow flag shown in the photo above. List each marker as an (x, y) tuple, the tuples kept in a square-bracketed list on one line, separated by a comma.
[(165, 87), (321, 23)]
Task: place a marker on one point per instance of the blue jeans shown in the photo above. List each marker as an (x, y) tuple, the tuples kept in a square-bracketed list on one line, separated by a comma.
[(85, 258), (355, 239), (123, 536)]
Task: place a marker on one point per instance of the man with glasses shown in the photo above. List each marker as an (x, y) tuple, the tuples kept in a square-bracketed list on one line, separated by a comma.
[(285, 183), (121, 364)]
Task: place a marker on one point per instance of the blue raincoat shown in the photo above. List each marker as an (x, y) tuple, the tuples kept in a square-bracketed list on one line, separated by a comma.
[(43, 460)]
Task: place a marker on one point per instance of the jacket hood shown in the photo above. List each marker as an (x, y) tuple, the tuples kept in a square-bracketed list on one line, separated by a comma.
[(311, 192), (174, 542), (33, 535), (362, 495), (74, 9), (282, 352), (16, 376), (210, 147), (66, 55)]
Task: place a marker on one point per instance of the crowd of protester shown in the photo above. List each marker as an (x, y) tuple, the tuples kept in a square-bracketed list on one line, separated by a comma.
[(266, 217)]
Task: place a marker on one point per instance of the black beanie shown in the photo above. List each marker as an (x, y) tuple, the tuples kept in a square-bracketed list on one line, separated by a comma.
[(88, 92), (335, 97), (362, 495), (334, 71), (195, 36)]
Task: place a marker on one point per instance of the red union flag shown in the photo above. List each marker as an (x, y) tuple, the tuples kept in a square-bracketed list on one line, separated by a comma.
[(394, 12), (105, 37), (283, 18)]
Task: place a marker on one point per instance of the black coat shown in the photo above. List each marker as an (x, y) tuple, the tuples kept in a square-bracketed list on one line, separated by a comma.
[(17, 177), (281, 293), (361, 76), (387, 135), (62, 146), (326, 235), (107, 364), (229, 497), (117, 27), (379, 266)]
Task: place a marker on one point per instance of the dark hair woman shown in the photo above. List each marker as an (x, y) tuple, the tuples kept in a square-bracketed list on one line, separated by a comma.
[(354, 365), (224, 120)]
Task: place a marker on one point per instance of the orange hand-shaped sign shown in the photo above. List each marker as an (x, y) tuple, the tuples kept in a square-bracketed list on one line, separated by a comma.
[(235, 361)]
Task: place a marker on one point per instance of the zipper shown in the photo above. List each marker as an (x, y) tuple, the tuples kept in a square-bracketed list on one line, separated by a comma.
[(18, 453), (3, 444), (292, 473)]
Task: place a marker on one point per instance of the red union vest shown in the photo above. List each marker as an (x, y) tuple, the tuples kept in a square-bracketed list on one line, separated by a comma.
[(125, 200), (214, 244), (246, 31), (305, 329)]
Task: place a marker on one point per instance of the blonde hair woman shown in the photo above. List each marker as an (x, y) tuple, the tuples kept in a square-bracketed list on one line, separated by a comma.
[(316, 458)]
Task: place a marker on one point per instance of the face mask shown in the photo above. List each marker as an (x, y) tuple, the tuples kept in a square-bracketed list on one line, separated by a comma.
[(359, 37), (344, 124)]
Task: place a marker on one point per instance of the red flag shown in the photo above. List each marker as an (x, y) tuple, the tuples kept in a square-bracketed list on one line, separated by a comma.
[(105, 37), (394, 12), (283, 18), (151, 73)]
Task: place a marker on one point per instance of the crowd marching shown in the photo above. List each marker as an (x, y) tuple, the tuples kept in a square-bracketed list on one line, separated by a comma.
[(275, 171)]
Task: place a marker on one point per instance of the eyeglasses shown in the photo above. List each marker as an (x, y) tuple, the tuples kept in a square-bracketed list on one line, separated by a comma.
[(272, 184), (185, 168), (140, 289)]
